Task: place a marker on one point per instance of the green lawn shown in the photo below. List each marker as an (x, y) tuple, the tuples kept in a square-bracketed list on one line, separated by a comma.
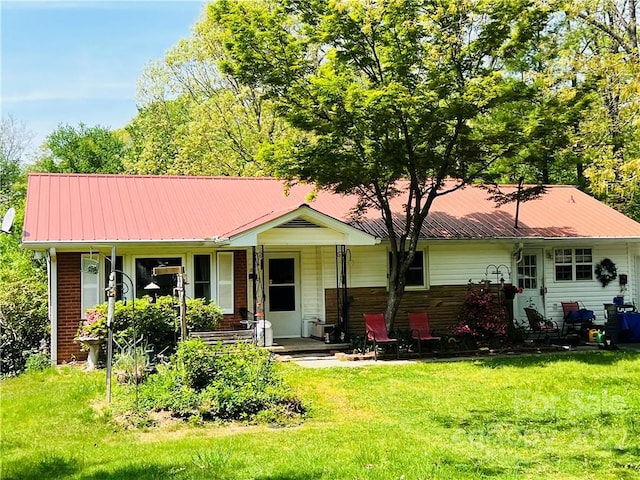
[(565, 416)]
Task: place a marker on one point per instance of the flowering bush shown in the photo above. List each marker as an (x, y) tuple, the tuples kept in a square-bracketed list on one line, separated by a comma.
[(157, 322), (482, 317), (93, 326)]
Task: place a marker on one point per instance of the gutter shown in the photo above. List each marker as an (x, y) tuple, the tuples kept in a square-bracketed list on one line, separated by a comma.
[(203, 242)]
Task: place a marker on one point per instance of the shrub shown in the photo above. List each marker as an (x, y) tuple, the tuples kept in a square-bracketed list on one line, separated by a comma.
[(481, 317), (24, 321), (157, 322), (37, 362), (227, 382)]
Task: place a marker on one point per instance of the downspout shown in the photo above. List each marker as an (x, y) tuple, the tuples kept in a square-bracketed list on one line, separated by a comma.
[(52, 300)]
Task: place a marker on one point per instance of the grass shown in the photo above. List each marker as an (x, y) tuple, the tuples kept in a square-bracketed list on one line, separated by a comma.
[(561, 417)]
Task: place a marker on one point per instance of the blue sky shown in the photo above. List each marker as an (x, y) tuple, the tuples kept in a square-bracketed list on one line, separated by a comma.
[(79, 61)]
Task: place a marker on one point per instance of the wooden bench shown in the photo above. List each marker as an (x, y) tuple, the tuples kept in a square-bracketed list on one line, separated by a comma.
[(225, 337)]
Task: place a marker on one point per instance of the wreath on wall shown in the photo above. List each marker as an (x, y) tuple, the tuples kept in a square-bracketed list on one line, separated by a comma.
[(606, 272)]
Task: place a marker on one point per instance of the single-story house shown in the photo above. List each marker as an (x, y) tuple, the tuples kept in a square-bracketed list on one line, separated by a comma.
[(300, 258)]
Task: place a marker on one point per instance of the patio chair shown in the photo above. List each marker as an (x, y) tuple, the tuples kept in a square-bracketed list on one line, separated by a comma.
[(539, 326), (420, 330), (574, 315), (376, 333)]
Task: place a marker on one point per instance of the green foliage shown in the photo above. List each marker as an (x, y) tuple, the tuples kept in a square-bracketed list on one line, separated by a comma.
[(539, 416), (24, 321), (195, 120), (391, 98), (37, 362), (482, 317), (202, 315), (234, 382), (157, 321), (82, 150)]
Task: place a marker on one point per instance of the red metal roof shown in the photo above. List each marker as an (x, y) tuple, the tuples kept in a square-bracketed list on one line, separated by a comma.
[(69, 208)]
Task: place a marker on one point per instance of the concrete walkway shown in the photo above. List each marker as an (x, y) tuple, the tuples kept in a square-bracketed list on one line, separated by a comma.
[(327, 360)]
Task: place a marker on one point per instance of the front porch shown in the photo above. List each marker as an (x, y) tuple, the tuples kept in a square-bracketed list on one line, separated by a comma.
[(304, 345)]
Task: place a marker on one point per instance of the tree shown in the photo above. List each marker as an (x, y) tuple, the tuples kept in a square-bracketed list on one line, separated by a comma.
[(194, 120), (391, 97), (603, 46), (23, 285), (82, 150), (14, 142), (23, 304)]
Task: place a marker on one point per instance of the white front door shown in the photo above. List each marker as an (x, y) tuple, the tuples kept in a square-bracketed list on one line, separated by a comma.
[(530, 279), (282, 307)]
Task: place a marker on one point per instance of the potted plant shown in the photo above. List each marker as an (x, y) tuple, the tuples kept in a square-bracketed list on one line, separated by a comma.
[(91, 334), (130, 366)]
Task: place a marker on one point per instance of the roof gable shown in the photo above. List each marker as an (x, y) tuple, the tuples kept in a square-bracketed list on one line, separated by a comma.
[(302, 226)]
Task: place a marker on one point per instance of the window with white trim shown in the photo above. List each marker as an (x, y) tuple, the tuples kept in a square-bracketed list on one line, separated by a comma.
[(416, 277), (573, 264), (202, 276), (144, 276), (89, 283), (224, 277)]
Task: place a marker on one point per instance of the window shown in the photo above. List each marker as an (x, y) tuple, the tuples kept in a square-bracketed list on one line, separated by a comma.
[(224, 271), (573, 264), (144, 276), (202, 276), (282, 285), (90, 283), (416, 274), (528, 272)]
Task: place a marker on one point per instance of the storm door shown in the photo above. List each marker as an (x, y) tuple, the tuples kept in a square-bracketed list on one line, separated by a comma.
[(283, 295), (530, 280)]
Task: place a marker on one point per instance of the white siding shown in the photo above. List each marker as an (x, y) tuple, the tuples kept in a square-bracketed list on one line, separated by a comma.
[(301, 236), (457, 264), (366, 266), (446, 264), (590, 293)]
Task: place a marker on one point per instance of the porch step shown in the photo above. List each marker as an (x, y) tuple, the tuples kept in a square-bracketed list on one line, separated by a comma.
[(305, 345)]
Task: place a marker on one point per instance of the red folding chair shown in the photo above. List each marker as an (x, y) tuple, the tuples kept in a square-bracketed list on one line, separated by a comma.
[(420, 330), (376, 333)]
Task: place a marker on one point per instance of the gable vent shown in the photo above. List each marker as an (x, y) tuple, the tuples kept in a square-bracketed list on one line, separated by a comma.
[(299, 223)]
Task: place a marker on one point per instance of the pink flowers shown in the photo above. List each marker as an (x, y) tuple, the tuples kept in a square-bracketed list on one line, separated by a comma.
[(94, 325), (482, 316)]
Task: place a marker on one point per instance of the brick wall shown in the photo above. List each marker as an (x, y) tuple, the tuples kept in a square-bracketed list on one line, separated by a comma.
[(232, 321), (69, 306)]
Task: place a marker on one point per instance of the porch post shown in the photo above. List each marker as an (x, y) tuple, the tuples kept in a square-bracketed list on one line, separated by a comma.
[(345, 298), (342, 301), (111, 293), (254, 276), (52, 293)]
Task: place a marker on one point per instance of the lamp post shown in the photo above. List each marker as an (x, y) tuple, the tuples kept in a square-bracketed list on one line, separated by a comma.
[(178, 271)]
